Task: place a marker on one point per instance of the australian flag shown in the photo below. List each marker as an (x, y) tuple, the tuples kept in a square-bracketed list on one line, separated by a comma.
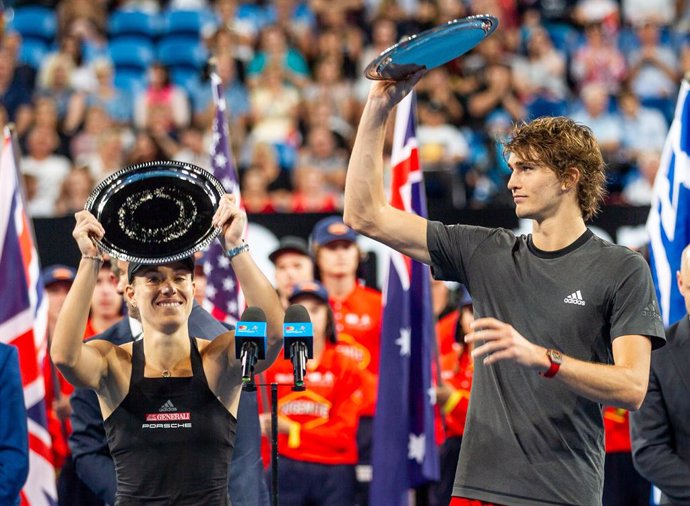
[(668, 224), (23, 323), (405, 454), (224, 298)]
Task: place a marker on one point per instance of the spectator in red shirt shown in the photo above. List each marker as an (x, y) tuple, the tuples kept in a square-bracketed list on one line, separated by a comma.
[(454, 315), (357, 311), (71, 490), (57, 280), (317, 427)]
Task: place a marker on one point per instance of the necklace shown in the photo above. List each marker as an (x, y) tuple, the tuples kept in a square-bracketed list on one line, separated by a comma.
[(165, 373)]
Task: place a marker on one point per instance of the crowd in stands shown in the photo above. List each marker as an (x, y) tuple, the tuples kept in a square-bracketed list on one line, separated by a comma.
[(95, 86)]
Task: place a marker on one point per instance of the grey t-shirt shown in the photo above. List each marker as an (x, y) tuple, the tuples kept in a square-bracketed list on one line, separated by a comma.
[(530, 440)]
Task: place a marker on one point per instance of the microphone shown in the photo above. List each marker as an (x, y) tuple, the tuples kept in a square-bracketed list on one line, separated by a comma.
[(299, 345), (250, 343)]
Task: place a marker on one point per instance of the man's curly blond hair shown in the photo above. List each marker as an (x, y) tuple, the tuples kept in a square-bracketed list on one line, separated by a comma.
[(560, 143)]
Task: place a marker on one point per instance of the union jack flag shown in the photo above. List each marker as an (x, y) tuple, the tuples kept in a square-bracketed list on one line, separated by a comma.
[(224, 299), (405, 454), (23, 323)]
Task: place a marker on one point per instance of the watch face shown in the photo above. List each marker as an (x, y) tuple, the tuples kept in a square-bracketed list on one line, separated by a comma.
[(555, 356)]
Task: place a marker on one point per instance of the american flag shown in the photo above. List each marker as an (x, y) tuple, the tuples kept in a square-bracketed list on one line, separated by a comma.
[(668, 224), (405, 454), (23, 322), (223, 294)]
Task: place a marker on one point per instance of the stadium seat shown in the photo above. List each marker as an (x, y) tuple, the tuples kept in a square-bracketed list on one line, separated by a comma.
[(35, 22), (32, 52), (187, 79), (133, 23), (565, 38), (182, 54), (185, 23), (131, 53), (131, 81)]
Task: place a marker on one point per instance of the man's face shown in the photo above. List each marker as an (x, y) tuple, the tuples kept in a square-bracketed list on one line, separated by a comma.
[(292, 268), (537, 192), (56, 298), (338, 258), (106, 302)]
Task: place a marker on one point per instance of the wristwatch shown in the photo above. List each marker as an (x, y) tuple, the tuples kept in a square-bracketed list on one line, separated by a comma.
[(556, 360)]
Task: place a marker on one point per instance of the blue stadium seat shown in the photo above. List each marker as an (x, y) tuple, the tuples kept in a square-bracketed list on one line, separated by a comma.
[(133, 23), (32, 52), (179, 53), (188, 79), (131, 53), (185, 23), (35, 22), (131, 81), (565, 37)]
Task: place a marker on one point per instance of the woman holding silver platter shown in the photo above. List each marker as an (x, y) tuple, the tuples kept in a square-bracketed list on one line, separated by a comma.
[(169, 400)]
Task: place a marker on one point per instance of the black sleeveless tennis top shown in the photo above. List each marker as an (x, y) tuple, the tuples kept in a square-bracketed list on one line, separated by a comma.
[(171, 439)]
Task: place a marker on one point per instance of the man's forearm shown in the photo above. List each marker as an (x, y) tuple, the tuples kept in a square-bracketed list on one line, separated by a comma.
[(364, 191), (612, 385), (623, 385)]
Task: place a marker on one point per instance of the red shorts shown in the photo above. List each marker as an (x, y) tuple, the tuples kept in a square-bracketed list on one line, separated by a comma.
[(461, 501)]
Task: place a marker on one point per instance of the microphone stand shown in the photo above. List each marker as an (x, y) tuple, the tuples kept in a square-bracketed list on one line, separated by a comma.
[(274, 444), (274, 433)]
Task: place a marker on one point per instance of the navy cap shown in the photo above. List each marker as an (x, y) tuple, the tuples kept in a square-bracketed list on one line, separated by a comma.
[(331, 229), (58, 273), (135, 267), (292, 244), (309, 288)]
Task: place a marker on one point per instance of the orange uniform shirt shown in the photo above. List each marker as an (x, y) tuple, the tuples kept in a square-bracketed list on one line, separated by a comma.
[(358, 324), (456, 371), (616, 430), (325, 416)]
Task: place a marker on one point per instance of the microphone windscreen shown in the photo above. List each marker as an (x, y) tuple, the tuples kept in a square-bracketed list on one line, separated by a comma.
[(251, 328), (296, 313), (253, 314), (297, 328)]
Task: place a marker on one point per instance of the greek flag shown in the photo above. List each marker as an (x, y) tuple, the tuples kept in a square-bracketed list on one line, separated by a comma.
[(668, 224)]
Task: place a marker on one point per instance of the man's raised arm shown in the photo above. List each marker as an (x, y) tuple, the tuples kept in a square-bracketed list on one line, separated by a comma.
[(366, 209)]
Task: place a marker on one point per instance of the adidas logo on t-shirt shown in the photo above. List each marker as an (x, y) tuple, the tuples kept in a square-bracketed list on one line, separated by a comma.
[(575, 298), (167, 407)]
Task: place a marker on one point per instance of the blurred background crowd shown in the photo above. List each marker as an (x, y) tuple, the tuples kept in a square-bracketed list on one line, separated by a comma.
[(93, 86)]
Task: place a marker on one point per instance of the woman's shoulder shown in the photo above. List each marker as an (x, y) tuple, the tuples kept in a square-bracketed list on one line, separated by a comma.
[(106, 347)]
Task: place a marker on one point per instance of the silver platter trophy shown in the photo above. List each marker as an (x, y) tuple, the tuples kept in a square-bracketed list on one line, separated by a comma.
[(156, 212), (431, 48)]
